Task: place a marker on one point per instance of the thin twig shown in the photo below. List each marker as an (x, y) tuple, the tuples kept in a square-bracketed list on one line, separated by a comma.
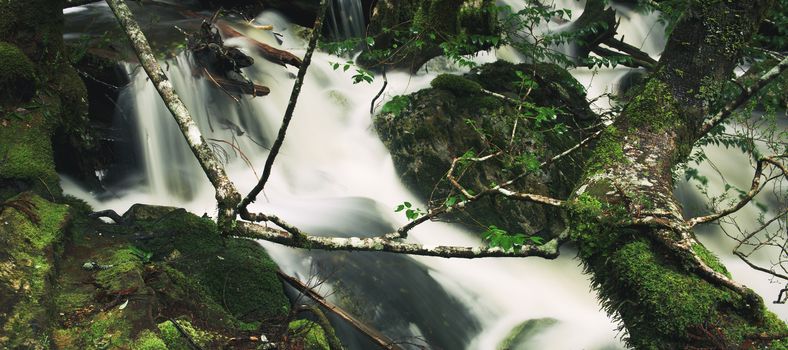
[(241, 153), (269, 162), (220, 86), (382, 88), (755, 188)]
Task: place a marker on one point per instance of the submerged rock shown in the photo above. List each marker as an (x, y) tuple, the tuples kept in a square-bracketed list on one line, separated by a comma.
[(520, 335)]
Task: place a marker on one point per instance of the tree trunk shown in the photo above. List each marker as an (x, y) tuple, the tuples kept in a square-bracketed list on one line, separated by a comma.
[(646, 265)]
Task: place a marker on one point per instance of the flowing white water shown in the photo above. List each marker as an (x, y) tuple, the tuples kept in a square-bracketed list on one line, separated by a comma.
[(334, 176), (345, 19)]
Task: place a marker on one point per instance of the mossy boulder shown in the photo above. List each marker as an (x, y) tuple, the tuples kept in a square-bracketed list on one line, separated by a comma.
[(426, 130), (158, 266), (30, 231), (308, 335), (456, 84), (17, 75), (237, 273), (26, 151)]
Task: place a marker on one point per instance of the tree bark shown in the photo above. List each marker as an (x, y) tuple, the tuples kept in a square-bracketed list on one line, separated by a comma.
[(649, 270)]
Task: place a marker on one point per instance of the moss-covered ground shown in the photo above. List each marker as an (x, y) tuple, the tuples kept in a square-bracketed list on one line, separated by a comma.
[(123, 285)]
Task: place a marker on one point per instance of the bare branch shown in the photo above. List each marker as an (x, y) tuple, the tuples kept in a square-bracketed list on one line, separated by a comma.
[(745, 96), (226, 194), (269, 162), (373, 334), (639, 57), (755, 188), (384, 244), (382, 88), (756, 267), (572, 149)]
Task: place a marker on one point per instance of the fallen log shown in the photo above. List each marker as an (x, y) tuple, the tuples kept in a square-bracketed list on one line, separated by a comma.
[(370, 332), (237, 87), (267, 51)]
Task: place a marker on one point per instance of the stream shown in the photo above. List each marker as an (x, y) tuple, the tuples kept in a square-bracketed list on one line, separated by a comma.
[(334, 176)]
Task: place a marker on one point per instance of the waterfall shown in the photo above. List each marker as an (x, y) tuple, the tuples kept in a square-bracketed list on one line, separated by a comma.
[(333, 176), (345, 19)]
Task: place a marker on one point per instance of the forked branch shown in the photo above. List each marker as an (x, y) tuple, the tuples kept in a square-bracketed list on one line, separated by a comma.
[(755, 188), (385, 244)]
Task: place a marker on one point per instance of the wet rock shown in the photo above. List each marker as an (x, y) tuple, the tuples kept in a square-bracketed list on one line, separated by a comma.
[(426, 130)]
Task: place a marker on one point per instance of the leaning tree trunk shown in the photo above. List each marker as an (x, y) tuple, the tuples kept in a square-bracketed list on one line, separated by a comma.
[(649, 270)]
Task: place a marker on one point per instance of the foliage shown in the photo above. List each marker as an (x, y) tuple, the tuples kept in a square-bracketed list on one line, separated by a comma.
[(396, 105), (411, 213), (497, 237)]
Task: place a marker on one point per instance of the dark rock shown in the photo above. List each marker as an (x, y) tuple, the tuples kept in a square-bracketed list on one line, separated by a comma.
[(431, 127)]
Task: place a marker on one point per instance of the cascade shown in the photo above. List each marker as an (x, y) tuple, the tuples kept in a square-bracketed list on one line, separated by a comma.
[(334, 176), (345, 19)]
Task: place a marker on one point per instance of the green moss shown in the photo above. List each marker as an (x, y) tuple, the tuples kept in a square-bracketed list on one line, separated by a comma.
[(74, 108), (653, 109), (108, 330), (310, 333), (457, 84), (148, 340), (710, 259), (125, 270), (237, 273), (27, 150), (72, 299), (175, 288), (661, 305), (524, 332), (26, 269), (175, 340), (17, 75), (608, 152)]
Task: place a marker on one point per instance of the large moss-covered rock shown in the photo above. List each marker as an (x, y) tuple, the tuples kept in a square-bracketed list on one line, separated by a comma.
[(163, 265), (426, 130), (26, 150), (17, 75), (30, 231)]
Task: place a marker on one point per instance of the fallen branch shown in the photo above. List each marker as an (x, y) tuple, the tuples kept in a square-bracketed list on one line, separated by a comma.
[(267, 51), (373, 334), (386, 244)]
